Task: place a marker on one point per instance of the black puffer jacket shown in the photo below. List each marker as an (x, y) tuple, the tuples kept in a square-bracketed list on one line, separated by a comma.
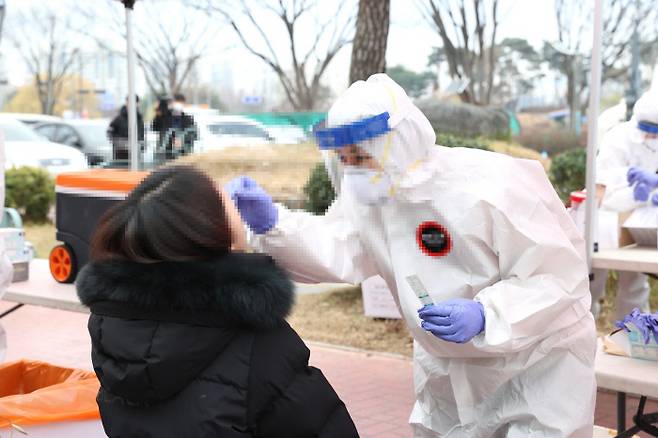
[(196, 350)]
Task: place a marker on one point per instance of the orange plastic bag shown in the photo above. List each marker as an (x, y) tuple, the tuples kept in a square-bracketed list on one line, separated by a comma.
[(33, 392)]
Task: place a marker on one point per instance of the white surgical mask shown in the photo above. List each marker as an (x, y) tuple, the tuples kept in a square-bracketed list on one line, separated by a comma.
[(177, 107), (370, 187), (651, 144)]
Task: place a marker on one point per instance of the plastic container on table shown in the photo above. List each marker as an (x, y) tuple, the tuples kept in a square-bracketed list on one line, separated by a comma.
[(48, 401), (639, 349)]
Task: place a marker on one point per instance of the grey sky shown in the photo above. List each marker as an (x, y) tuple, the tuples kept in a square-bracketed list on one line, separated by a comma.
[(410, 40)]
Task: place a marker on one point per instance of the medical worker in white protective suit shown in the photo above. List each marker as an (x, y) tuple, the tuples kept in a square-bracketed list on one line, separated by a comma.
[(507, 348), (6, 268), (626, 166)]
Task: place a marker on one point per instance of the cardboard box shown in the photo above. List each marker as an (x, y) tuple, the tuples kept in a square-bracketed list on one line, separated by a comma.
[(377, 299), (21, 272), (610, 233), (643, 226)]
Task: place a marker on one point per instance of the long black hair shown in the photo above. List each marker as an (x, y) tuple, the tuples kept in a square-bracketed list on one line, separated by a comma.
[(175, 214)]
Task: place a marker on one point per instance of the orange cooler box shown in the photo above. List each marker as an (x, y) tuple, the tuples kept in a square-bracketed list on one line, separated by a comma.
[(81, 200)]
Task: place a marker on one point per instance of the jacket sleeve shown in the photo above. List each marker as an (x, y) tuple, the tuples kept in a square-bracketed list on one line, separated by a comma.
[(612, 164), (157, 123), (289, 398), (317, 249), (544, 285), (111, 129), (612, 160), (140, 127)]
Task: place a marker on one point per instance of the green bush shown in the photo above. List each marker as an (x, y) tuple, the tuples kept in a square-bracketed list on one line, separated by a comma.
[(319, 191), (454, 141), (568, 171), (31, 191)]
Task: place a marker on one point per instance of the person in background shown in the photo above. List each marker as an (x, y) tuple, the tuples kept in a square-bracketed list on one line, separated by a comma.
[(117, 132), (626, 167), (177, 129), (189, 337)]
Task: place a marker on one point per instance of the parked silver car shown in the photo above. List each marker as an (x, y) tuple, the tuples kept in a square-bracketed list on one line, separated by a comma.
[(87, 135), (24, 147)]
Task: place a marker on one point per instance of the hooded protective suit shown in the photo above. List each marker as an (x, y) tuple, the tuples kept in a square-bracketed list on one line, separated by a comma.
[(510, 245), (621, 148)]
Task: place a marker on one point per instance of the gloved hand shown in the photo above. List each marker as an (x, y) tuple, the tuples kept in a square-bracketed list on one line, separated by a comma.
[(639, 175), (254, 204), (641, 192), (457, 320)]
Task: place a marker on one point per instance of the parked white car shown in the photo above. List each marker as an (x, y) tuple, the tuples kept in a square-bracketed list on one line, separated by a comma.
[(31, 119), (220, 132), (287, 134), (24, 147), (87, 135)]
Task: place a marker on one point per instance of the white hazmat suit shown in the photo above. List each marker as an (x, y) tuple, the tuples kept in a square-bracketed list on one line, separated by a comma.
[(622, 148), (512, 247)]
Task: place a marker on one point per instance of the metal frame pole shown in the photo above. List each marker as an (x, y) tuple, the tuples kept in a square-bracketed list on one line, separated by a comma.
[(132, 110), (592, 133)]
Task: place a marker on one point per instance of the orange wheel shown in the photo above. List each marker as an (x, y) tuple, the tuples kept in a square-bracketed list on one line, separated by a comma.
[(62, 264)]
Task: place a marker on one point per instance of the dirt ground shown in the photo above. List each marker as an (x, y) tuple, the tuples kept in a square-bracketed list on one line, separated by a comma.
[(282, 170), (337, 318)]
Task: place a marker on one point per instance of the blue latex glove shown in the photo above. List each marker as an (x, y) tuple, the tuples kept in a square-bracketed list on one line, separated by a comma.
[(641, 192), (458, 320), (254, 204), (639, 175)]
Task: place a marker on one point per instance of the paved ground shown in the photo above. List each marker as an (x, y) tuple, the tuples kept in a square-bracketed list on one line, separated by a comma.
[(376, 388)]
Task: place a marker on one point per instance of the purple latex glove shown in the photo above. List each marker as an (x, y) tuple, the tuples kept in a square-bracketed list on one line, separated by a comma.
[(639, 175), (457, 320), (646, 324), (641, 192), (254, 204)]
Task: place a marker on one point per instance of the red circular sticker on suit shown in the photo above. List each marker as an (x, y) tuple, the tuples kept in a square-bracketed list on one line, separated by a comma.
[(433, 239)]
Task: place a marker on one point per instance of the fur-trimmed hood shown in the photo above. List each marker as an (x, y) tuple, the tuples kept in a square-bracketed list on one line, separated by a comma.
[(239, 289), (155, 327)]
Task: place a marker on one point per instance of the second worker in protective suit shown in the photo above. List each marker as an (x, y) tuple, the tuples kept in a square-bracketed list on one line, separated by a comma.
[(626, 177), (506, 347)]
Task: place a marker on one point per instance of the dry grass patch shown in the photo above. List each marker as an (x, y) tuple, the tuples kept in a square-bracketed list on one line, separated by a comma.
[(337, 318), (282, 170)]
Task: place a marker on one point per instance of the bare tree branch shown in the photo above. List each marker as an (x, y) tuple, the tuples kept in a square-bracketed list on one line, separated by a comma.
[(49, 58), (300, 78), (468, 44), (166, 50)]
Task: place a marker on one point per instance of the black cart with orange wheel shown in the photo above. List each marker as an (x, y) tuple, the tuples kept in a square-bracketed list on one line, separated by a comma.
[(81, 200)]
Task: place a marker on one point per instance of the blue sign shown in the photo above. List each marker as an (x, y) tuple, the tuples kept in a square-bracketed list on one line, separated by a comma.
[(107, 102), (252, 100)]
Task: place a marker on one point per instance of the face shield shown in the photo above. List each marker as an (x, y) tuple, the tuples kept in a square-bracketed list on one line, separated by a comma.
[(374, 126), (348, 159)]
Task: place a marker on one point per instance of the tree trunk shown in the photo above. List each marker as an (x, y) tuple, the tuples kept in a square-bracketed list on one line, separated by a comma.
[(369, 46)]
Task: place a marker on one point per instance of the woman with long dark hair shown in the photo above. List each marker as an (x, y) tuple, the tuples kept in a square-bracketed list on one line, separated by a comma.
[(188, 333)]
